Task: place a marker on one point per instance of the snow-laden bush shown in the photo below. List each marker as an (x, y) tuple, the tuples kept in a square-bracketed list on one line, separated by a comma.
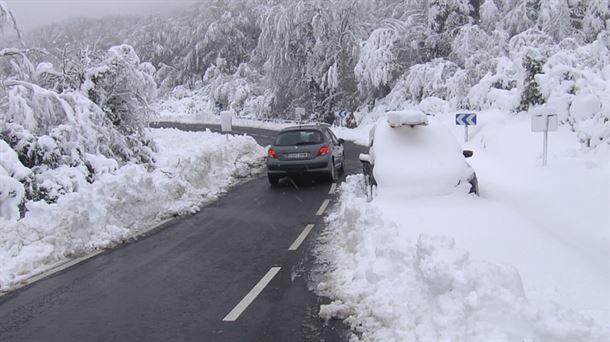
[(12, 172), (376, 64), (497, 89), (240, 92), (430, 79), (67, 139), (575, 84), (123, 88), (531, 42)]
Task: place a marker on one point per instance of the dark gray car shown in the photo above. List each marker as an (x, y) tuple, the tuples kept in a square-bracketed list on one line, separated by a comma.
[(305, 150)]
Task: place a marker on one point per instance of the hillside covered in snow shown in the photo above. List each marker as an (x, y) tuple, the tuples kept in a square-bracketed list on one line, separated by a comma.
[(263, 58)]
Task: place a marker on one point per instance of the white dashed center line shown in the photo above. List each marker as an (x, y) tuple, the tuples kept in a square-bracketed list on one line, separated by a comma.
[(249, 298), (295, 245), (332, 189), (322, 208)]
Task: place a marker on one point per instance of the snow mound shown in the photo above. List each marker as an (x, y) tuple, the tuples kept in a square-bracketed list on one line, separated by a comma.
[(12, 191), (192, 168), (585, 106), (388, 288)]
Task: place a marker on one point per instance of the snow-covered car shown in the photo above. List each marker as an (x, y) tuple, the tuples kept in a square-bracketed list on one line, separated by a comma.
[(413, 154)]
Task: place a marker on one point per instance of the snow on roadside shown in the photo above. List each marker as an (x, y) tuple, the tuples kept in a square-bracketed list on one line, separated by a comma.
[(405, 279), (548, 227), (192, 168)]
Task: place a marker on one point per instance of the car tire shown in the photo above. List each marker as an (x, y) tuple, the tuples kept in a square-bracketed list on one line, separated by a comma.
[(273, 180), (332, 176), (474, 185)]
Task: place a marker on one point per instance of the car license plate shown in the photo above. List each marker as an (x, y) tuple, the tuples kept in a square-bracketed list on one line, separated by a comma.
[(299, 155)]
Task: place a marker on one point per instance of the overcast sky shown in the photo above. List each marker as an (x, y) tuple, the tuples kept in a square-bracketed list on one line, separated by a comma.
[(32, 13)]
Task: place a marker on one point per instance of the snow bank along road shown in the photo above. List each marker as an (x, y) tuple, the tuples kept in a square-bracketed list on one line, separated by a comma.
[(236, 271)]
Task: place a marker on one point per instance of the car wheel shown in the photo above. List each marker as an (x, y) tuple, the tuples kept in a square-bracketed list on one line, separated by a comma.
[(273, 180), (474, 185), (332, 177)]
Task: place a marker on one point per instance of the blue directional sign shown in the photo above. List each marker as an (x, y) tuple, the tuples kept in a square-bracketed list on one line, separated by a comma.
[(466, 119), (342, 114)]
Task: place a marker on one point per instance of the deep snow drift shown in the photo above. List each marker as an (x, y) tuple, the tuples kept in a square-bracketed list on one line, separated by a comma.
[(191, 168), (528, 260)]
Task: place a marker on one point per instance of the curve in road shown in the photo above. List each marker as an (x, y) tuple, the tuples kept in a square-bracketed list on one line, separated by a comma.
[(236, 271)]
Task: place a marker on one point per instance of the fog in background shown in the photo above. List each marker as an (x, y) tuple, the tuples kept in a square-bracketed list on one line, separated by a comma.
[(33, 13)]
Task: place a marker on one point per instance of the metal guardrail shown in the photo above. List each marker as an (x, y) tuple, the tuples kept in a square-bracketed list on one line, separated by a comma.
[(282, 121), (249, 118), (274, 120)]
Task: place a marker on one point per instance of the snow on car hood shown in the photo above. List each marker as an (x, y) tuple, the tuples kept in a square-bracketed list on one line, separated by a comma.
[(417, 161)]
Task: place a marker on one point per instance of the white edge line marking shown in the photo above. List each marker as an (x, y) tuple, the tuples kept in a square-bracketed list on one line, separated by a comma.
[(295, 245), (64, 264), (322, 207), (249, 298), (332, 189)]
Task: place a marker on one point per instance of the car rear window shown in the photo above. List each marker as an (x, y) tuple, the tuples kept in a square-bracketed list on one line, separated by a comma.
[(303, 137)]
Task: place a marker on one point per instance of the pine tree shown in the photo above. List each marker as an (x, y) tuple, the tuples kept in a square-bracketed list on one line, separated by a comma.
[(531, 94)]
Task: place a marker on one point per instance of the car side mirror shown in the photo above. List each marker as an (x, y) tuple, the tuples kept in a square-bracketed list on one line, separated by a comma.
[(365, 158), (467, 153), (341, 141)]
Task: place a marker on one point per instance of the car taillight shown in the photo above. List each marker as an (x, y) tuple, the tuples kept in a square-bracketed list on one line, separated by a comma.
[(324, 150), (271, 153)]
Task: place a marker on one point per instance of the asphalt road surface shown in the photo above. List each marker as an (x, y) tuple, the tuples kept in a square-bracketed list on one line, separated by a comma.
[(224, 274)]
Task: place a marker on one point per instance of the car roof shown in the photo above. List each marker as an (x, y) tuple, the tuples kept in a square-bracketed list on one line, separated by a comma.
[(316, 127)]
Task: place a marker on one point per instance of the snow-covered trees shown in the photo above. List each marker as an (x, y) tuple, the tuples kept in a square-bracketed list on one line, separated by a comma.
[(61, 128), (596, 17), (554, 19), (266, 57), (70, 134), (123, 88), (7, 19)]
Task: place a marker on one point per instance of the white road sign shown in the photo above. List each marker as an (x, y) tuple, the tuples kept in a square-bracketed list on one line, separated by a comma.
[(544, 122), (226, 121)]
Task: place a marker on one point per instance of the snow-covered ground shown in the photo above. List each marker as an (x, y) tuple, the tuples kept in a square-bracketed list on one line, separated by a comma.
[(527, 260), (191, 169)]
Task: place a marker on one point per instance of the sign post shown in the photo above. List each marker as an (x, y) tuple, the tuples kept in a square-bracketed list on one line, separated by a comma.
[(299, 113), (226, 122), (544, 123), (341, 115), (466, 119)]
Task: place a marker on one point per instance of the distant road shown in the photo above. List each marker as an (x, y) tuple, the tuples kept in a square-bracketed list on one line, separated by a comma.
[(236, 271)]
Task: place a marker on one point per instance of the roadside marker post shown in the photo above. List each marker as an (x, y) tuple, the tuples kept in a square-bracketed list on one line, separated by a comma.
[(545, 123), (226, 122), (466, 119), (299, 113)]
